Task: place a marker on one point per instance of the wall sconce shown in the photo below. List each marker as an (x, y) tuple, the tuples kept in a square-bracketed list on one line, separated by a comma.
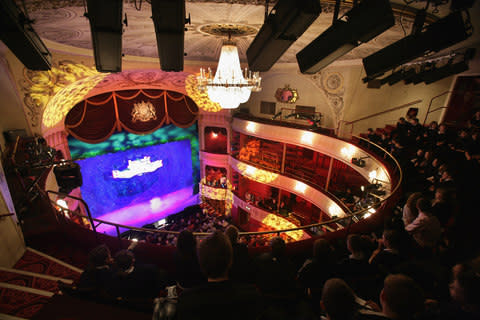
[(300, 187), (347, 152), (251, 127), (307, 138)]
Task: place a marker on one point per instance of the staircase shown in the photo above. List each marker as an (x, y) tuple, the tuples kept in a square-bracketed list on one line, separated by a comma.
[(29, 285)]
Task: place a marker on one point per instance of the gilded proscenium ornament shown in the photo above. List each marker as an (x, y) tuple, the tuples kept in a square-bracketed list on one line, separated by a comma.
[(58, 107), (40, 87), (200, 97)]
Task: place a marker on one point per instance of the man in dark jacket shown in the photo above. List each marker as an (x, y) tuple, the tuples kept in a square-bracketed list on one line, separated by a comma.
[(219, 298)]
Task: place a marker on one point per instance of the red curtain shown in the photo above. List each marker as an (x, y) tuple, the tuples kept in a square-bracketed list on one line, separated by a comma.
[(97, 118)]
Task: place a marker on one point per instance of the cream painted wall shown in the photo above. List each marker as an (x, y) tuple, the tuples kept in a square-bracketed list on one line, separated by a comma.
[(11, 109), (11, 238), (357, 100), (362, 101), (308, 92), (11, 117)]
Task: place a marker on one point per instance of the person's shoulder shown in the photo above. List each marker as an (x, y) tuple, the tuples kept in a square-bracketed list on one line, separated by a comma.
[(365, 314)]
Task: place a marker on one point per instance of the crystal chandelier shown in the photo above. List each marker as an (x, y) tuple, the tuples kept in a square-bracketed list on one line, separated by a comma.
[(230, 86)]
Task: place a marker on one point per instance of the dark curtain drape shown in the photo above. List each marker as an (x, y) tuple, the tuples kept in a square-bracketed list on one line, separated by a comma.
[(97, 118)]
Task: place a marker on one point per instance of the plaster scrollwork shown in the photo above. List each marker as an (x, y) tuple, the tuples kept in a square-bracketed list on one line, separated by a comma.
[(333, 86), (39, 87)]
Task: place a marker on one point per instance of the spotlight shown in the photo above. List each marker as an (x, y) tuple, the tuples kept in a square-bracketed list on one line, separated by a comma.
[(360, 162)]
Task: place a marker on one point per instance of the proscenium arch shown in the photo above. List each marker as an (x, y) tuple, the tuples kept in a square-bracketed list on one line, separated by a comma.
[(58, 107)]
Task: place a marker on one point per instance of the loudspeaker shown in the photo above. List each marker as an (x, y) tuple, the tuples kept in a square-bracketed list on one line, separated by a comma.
[(106, 26), (19, 36), (68, 176), (287, 22), (364, 22), (169, 21)]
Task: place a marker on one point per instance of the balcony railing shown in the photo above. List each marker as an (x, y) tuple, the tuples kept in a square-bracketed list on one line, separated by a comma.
[(343, 221)]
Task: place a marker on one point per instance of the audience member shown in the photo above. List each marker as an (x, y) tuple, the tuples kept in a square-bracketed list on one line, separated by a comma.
[(317, 270), (465, 291), (98, 273), (241, 269), (387, 256), (401, 298), (134, 281), (275, 272), (338, 300), (219, 298), (425, 229), (410, 211), (356, 270), (187, 268)]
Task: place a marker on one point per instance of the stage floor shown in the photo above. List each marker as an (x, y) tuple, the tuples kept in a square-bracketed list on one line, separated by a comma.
[(144, 213)]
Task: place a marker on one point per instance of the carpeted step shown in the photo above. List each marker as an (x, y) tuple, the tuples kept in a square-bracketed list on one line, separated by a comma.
[(18, 301), (30, 279), (37, 262)]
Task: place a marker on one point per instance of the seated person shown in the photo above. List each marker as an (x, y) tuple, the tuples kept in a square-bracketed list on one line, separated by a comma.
[(316, 271), (132, 280), (241, 270), (219, 298), (187, 269), (372, 136), (401, 298), (425, 229), (275, 272), (98, 273), (356, 270), (339, 302), (387, 256)]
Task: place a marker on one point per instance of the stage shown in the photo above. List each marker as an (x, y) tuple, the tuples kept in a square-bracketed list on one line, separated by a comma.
[(136, 180)]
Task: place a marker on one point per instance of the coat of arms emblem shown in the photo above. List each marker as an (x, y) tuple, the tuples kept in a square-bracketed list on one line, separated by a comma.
[(143, 111)]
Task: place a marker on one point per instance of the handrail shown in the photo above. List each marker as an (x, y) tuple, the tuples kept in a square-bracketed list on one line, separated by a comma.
[(430, 105), (79, 199), (3, 215), (397, 164), (385, 111), (314, 225)]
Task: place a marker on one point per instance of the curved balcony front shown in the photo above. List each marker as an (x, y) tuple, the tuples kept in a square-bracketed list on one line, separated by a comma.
[(367, 165), (311, 194)]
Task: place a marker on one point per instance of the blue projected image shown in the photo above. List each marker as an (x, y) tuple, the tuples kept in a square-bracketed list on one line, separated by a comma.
[(123, 179)]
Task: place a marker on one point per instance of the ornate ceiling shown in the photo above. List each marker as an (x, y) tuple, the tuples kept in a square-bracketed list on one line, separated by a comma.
[(63, 21)]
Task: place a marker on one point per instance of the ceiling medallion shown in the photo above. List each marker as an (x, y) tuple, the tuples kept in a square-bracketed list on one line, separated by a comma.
[(143, 112), (225, 29)]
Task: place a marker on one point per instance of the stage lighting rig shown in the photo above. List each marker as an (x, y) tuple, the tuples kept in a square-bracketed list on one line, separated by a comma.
[(361, 24), (437, 36), (360, 162)]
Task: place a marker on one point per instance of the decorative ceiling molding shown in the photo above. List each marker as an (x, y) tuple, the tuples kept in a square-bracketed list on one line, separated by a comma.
[(64, 22)]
